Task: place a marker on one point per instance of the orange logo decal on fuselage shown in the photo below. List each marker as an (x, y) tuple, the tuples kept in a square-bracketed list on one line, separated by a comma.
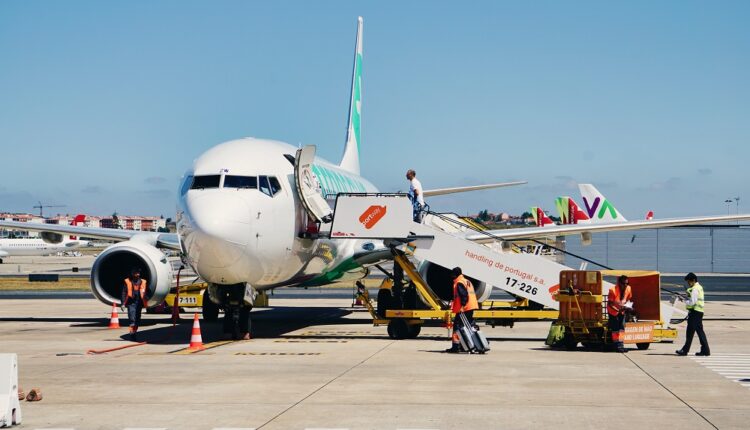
[(372, 215)]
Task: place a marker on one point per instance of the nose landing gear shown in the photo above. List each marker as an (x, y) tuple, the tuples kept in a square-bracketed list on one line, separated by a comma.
[(237, 301)]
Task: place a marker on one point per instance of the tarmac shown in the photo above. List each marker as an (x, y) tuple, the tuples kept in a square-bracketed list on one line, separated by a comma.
[(317, 363)]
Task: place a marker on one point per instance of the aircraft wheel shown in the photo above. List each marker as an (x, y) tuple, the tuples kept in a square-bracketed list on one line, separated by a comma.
[(643, 346), (210, 309)]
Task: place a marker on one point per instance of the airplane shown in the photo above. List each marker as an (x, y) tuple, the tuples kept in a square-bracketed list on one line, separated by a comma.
[(252, 216), (49, 243)]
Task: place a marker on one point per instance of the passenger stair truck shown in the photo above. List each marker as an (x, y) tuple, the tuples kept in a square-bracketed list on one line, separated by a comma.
[(388, 217)]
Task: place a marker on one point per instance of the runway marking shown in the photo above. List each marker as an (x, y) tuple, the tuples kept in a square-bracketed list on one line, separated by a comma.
[(735, 367)]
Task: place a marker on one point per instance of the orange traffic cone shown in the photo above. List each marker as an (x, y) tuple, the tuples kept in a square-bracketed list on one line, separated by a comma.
[(196, 341), (114, 320)]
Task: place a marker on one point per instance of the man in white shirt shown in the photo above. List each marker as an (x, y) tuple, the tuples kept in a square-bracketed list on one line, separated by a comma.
[(415, 192)]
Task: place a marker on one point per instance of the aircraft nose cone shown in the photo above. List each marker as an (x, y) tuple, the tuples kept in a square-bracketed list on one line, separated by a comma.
[(224, 223)]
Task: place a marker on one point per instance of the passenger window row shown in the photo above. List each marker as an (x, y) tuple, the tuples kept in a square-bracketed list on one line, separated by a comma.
[(268, 185)]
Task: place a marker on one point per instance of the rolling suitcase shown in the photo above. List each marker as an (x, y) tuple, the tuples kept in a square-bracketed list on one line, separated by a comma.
[(465, 336), (478, 340)]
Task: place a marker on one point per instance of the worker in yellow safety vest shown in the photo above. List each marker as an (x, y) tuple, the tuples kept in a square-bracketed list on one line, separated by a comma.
[(464, 301), (134, 297), (616, 299), (694, 305)]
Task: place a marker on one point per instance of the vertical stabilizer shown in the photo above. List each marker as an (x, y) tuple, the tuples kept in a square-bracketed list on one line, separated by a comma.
[(540, 218), (597, 207), (350, 160)]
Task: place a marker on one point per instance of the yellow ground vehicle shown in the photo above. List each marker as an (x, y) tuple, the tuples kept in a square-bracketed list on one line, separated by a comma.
[(191, 296), (407, 323), (583, 310)]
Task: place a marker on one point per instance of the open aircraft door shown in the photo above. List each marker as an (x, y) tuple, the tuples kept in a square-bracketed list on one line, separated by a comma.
[(308, 188)]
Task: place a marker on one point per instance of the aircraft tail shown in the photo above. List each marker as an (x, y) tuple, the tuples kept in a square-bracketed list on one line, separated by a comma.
[(569, 211), (79, 219), (540, 218), (350, 160), (598, 208)]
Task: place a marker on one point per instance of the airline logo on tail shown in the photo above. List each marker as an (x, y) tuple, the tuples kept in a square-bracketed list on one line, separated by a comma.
[(569, 211), (598, 208), (79, 219), (540, 218), (350, 160)]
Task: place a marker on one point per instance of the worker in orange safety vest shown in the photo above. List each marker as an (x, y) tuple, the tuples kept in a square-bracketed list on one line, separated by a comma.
[(464, 301), (134, 296), (616, 299)]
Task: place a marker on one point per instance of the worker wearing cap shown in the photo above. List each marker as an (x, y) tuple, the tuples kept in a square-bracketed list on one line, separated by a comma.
[(416, 194), (694, 305), (134, 297), (464, 301), (616, 299)]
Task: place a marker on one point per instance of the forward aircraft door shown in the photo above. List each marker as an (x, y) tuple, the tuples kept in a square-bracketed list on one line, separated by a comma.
[(307, 186)]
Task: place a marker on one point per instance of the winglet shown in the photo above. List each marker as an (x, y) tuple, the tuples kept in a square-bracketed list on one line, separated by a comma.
[(350, 160)]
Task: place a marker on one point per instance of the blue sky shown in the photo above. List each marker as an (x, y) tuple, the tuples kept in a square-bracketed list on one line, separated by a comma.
[(105, 104)]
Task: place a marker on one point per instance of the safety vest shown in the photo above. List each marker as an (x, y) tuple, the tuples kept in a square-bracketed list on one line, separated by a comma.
[(614, 296), (471, 304), (132, 289), (697, 306)]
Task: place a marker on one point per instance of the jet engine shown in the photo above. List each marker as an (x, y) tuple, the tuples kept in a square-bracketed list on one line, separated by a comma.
[(439, 279), (114, 264), (51, 238)]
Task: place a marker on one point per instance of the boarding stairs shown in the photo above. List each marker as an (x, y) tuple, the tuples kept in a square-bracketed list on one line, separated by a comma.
[(441, 241)]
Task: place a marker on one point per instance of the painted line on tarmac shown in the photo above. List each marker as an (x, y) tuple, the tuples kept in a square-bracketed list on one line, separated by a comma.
[(317, 390), (735, 367), (207, 346), (670, 391)]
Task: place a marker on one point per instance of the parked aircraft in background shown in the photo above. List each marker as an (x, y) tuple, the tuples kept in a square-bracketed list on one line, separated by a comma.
[(49, 243)]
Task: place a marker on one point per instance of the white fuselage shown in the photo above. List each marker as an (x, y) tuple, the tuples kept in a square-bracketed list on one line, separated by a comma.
[(32, 247), (238, 225)]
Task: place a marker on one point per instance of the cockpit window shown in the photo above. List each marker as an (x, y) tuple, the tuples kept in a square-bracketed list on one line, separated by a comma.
[(275, 185), (269, 185), (206, 181), (233, 181)]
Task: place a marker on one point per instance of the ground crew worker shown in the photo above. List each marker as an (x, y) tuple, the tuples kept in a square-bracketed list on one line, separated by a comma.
[(134, 297), (464, 301), (416, 194), (694, 305), (618, 295)]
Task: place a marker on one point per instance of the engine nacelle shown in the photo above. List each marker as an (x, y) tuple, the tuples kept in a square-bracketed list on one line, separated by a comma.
[(114, 264), (51, 238), (439, 279)]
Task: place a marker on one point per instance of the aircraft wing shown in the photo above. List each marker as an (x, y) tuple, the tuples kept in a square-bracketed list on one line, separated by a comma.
[(162, 240), (569, 229), (441, 191)]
